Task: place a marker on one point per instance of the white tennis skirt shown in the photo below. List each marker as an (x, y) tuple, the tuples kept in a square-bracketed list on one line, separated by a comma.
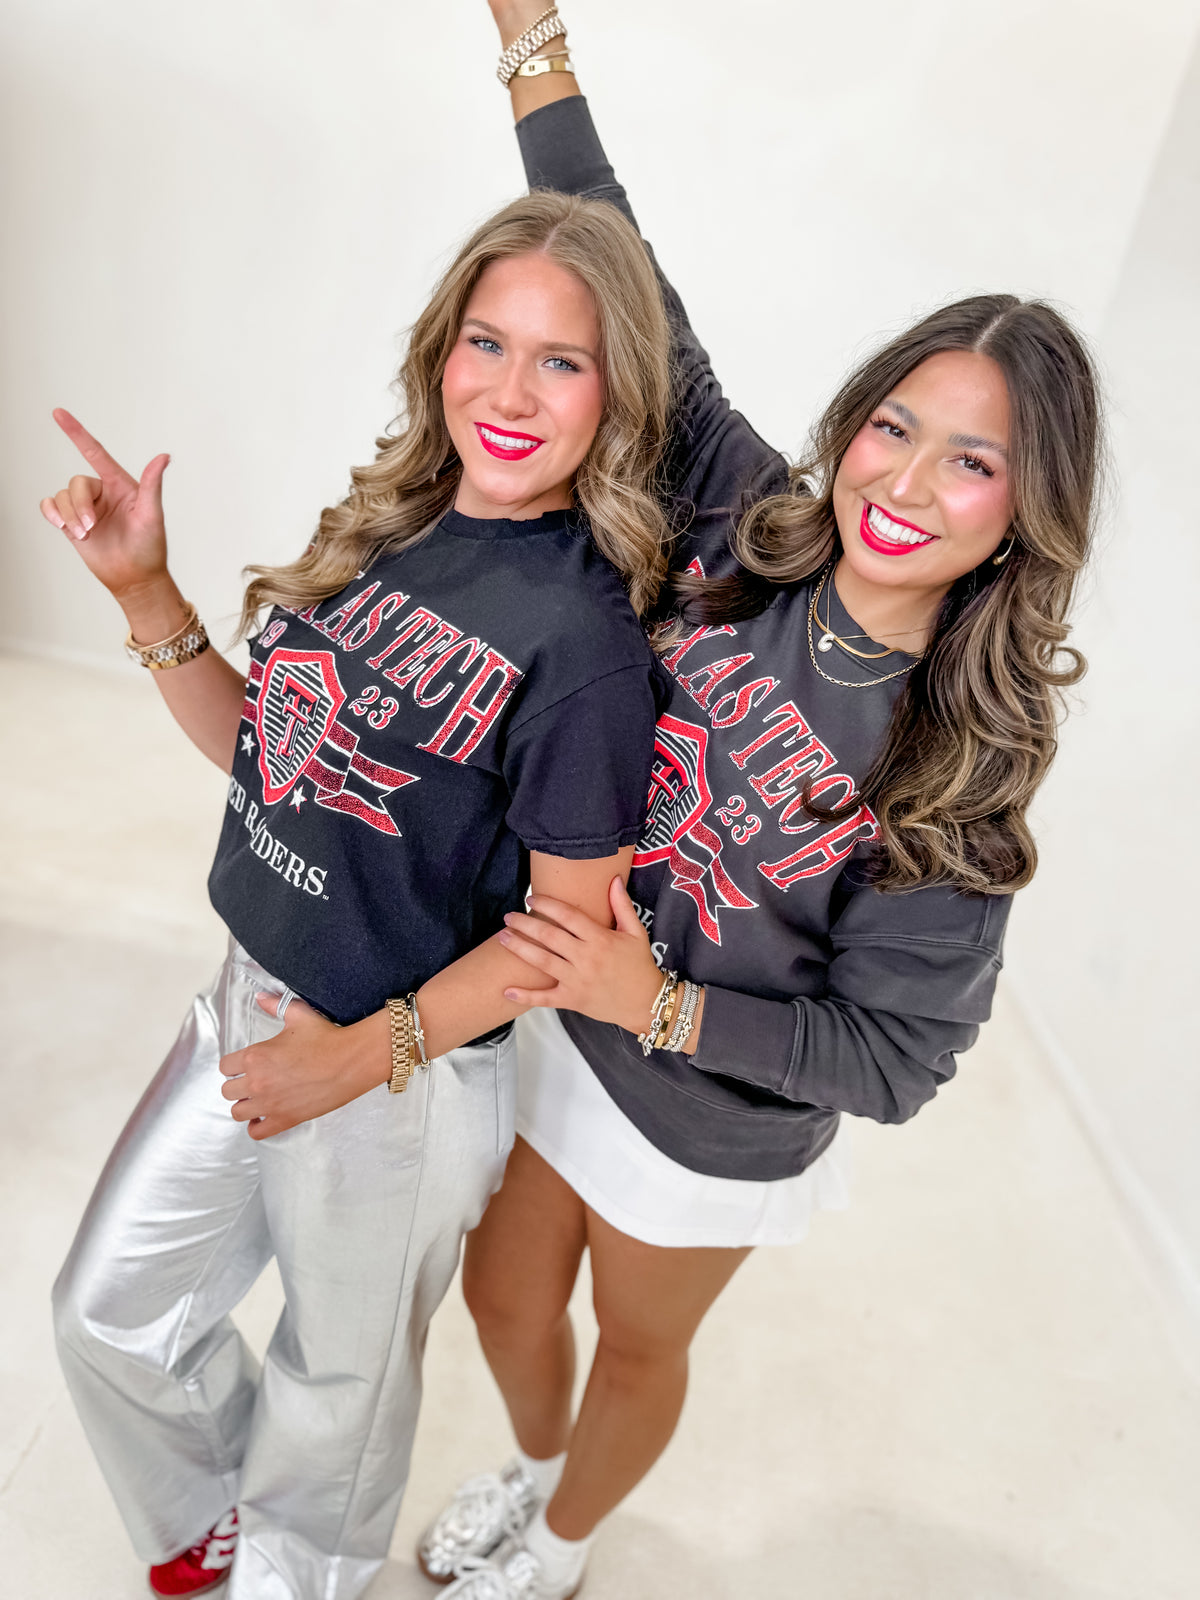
[(572, 1122)]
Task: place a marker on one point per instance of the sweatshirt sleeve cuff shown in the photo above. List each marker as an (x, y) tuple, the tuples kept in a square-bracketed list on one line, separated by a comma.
[(742, 1036)]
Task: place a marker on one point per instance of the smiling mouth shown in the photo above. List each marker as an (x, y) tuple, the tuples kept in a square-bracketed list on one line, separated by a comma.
[(888, 535), (507, 446)]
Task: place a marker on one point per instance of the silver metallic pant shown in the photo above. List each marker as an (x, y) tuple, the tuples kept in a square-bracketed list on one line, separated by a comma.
[(364, 1210)]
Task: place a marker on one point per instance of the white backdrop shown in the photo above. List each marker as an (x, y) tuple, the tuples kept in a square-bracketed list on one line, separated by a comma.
[(218, 220)]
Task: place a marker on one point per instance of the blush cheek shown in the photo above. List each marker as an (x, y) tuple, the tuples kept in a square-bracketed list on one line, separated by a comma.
[(977, 510), (458, 384), (867, 458), (577, 408)]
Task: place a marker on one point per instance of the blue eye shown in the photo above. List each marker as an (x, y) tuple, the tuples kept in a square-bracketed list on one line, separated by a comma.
[(482, 342), (561, 364)]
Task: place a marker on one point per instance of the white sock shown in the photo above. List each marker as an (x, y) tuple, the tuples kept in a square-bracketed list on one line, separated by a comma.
[(545, 1474), (563, 1560)]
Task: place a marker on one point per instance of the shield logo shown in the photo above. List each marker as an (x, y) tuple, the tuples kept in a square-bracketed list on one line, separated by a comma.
[(679, 795), (299, 698)]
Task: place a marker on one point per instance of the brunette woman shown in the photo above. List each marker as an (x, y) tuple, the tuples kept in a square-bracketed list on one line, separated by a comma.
[(450, 694), (864, 704)]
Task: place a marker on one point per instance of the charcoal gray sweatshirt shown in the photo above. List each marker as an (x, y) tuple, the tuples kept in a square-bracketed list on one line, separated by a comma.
[(822, 994)]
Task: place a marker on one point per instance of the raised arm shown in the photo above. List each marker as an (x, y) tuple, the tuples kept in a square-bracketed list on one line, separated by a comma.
[(716, 459), (115, 522)]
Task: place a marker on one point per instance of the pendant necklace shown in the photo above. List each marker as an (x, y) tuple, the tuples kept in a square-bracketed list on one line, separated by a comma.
[(832, 638), (828, 638)]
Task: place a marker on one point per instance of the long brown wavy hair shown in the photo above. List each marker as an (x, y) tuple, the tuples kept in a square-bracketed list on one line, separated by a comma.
[(974, 730), (414, 477)]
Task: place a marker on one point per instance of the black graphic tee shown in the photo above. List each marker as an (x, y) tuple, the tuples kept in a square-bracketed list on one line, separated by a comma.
[(407, 742)]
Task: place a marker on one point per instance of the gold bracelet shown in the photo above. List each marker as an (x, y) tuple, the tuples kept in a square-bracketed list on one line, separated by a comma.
[(670, 1015), (658, 1012), (185, 644), (404, 1051), (544, 28), (418, 1032), (536, 65)]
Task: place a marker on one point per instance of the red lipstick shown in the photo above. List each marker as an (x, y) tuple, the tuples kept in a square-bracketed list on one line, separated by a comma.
[(530, 442), (884, 547)]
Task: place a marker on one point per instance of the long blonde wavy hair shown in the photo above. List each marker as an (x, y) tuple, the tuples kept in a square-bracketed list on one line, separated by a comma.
[(414, 477), (974, 730)]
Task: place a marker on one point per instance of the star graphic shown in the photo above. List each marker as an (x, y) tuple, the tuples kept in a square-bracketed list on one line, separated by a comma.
[(247, 744), (298, 799)]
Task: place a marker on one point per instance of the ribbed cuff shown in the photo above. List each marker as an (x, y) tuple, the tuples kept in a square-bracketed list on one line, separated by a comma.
[(743, 1036)]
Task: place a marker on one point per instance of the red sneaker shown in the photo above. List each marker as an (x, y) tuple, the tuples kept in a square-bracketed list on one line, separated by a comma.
[(204, 1566)]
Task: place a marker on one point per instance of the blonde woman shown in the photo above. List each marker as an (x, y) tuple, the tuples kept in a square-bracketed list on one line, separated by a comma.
[(863, 705), (449, 694)]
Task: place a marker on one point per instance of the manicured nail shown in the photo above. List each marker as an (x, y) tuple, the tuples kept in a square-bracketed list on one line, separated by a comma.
[(77, 532), (88, 522)]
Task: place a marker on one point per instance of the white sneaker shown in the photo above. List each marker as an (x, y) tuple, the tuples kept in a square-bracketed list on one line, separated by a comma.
[(483, 1513), (513, 1574)]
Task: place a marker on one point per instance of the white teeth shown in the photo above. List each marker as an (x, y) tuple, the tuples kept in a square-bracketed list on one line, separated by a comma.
[(503, 442), (883, 527)]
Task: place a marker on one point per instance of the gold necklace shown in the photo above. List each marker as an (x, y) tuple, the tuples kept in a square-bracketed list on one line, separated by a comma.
[(828, 638), (846, 683)]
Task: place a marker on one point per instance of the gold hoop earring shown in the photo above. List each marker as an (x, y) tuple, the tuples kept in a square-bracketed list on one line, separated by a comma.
[(1002, 556)]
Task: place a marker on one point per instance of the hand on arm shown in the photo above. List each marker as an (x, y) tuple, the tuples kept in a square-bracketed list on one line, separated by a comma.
[(602, 971), (115, 522), (313, 1066)]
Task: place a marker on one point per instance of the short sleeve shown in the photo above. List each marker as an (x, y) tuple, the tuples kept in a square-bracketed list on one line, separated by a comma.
[(578, 772)]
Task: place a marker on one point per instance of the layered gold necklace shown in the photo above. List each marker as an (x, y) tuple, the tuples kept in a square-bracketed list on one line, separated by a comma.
[(828, 639)]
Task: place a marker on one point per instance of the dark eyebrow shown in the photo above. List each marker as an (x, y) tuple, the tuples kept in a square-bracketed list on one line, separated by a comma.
[(960, 441), (909, 418), (971, 441), (577, 349)]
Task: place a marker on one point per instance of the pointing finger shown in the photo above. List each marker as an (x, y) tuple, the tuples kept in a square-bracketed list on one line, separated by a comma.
[(92, 450)]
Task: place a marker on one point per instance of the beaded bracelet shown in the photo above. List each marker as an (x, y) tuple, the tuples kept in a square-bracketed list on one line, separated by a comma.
[(685, 1016)]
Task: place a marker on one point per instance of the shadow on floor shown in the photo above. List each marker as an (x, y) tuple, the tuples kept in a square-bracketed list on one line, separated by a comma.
[(848, 1553)]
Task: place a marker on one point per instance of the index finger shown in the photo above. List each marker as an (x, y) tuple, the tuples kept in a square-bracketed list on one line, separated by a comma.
[(568, 917), (91, 449)]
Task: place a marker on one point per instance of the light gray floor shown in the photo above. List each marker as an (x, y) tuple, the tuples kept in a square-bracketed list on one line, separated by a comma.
[(961, 1389)]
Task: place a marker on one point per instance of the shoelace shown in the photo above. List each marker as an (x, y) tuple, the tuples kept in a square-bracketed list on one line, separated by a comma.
[(477, 1496), (522, 1571), (518, 1579), (490, 1583)]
